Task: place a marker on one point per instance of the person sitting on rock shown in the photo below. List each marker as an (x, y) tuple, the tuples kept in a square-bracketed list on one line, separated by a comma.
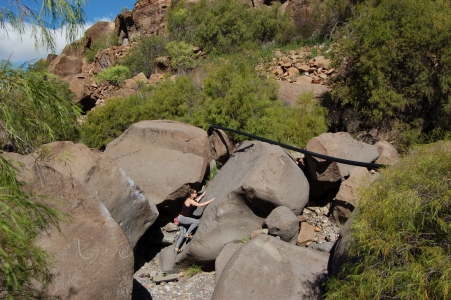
[(184, 217)]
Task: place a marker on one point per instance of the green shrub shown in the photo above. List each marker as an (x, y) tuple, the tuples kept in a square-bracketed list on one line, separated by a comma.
[(182, 55), (142, 58), (224, 26), (103, 42), (168, 100), (403, 232), (114, 75), (394, 58), (231, 94)]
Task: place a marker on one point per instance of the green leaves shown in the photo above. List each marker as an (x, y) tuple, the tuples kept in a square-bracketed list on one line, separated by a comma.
[(35, 108), (52, 15), (114, 75), (402, 232), (391, 62)]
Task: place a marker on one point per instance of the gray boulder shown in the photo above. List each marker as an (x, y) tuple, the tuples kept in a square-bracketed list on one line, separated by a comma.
[(339, 254), (257, 178), (268, 268), (164, 158), (131, 209), (226, 253), (325, 175), (388, 153), (282, 222), (348, 197), (93, 258), (221, 147)]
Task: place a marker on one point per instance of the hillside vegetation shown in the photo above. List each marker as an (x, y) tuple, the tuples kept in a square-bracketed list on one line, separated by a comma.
[(403, 232)]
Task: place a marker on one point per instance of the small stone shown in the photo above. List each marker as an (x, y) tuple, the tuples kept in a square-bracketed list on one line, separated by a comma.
[(302, 218), (317, 229)]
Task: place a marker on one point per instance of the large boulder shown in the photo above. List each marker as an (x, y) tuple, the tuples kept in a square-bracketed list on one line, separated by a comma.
[(64, 65), (388, 153), (164, 158), (223, 258), (348, 196), (282, 222), (131, 209), (93, 258), (268, 268), (221, 147), (290, 92), (340, 145), (150, 16), (257, 178), (339, 254)]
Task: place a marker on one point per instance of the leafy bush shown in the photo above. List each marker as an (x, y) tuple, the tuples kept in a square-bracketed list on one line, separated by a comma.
[(395, 58), (232, 95), (35, 108), (114, 75), (169, 100), (103, 42), (225, 26), (142, 58), (403, 232), (182, 55)]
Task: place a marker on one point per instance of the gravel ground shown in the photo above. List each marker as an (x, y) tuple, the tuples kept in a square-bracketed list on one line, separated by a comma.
[(201, 285), (198, 287)]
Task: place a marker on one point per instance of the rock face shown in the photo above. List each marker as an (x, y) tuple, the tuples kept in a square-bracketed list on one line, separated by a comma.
[(388, 153), (93, 258), (268, 268), (257, 178), (340, 145), (282, 222), (164, 158), (221, 147), (290, 92), (64, 65), (226, 253), (132, 210), (348, 197), (150, 16), (339, 254)]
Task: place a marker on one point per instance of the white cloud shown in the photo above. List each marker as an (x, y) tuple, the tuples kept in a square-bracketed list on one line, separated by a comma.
[(20, 48)]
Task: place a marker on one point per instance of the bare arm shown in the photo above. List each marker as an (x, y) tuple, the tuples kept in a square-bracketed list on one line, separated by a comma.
[(200, 196), (194, 203)]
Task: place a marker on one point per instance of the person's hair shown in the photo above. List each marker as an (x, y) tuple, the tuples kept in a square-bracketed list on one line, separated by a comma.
[(191, 191)]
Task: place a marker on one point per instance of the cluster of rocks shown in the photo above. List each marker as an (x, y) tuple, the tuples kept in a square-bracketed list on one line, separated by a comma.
[(297, 66), (266, 220)]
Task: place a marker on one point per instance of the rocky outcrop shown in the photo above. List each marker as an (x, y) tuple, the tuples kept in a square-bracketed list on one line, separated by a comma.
[(290, 92), (221, 147), (136, 81), (132, 210), (326, 175), (150, 16), (257, 178), (164, 158), (388, 153), (93, 258), (348, 196), (64, 65), (268, 268)]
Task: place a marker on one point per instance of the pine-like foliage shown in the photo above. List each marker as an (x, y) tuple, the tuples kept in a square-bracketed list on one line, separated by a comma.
[(394, 59), (403, 232), (35, 108)]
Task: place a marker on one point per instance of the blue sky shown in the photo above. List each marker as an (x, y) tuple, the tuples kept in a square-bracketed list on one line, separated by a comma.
[(21, 49)]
